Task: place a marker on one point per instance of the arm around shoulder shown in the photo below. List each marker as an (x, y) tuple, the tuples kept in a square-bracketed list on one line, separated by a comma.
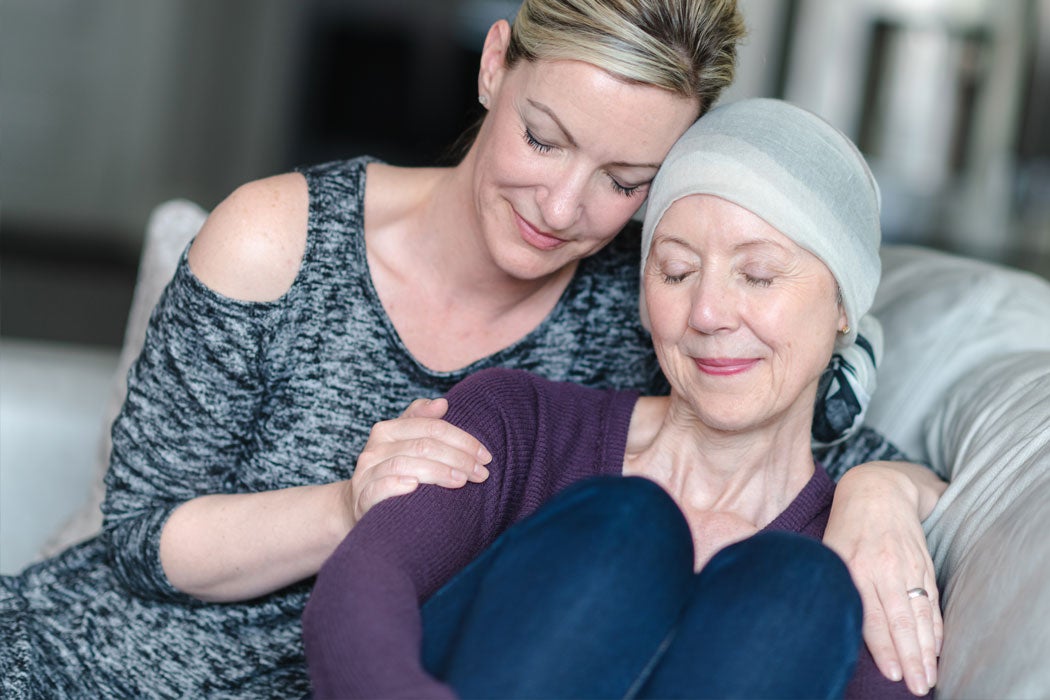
[(252, 245)]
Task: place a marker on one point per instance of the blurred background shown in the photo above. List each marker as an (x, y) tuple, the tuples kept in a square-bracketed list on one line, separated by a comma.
[(109, 107)]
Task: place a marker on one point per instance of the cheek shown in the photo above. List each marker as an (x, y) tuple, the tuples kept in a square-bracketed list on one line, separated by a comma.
[(607, 214), (668, 314), (803, 337)]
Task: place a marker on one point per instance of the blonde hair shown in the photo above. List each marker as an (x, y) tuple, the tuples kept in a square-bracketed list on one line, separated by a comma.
[(685, 46)]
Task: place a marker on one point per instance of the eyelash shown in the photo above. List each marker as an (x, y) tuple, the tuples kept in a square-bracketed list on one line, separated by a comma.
[(621, 190), (536, 144), (753, 281), (544, 148)]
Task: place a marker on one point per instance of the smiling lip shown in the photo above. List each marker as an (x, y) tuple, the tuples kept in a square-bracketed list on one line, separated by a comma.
[(724, 366), (534, 237)]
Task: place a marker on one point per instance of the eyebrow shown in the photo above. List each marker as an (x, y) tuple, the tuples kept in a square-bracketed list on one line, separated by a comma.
[(572, 141), (754, 242)]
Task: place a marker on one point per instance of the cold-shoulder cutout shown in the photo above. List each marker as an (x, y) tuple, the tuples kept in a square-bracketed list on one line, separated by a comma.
[(252, 245)]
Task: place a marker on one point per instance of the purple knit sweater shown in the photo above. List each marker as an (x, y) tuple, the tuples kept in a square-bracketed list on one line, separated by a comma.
[(362, 624)]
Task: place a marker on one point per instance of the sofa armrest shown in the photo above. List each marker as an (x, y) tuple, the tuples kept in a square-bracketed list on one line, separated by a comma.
[(172, 225), (987, 534)]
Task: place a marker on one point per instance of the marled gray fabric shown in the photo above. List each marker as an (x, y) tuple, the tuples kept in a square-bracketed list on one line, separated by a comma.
[(241, 397)]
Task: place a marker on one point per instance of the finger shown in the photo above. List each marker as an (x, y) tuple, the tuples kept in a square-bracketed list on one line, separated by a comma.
[(876, 632), (930, 584), (426, 408), (922, 606), (937, 622), (904, 629), (423, 469), (402, 429), (422, 458)]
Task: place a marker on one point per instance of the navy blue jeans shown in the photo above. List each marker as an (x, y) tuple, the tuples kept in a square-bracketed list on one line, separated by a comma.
[(594, 596)]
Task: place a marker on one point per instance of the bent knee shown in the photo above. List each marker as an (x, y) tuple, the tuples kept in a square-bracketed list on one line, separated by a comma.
[(791, 568), (626, 502), (628, 519)]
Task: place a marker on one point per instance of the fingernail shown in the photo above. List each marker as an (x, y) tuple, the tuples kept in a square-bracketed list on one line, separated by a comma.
[(481, 472), (931, 675), (484, 456), (408, 480), (918, 683), (895, 672)]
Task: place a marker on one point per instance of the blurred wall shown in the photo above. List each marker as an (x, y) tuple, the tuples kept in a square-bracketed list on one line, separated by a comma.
[(112, 106), (948, 99)]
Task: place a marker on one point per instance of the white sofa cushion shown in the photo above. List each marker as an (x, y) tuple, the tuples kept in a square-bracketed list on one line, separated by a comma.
[(944, 316)]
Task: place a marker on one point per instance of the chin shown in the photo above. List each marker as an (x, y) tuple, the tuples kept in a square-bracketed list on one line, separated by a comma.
[(526, 263)]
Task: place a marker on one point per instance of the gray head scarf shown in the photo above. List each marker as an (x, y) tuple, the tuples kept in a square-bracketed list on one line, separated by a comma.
[(794, 170)]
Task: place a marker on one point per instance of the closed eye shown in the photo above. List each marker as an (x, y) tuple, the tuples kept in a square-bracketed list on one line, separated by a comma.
[(536, 144), (624, 189)]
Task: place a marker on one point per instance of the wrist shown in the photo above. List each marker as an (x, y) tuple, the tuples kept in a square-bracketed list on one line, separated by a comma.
[(341, 516), (881, 480)]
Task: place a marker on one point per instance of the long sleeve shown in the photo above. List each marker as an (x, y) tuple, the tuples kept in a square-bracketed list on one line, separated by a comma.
[(362, 628), (186, 424)]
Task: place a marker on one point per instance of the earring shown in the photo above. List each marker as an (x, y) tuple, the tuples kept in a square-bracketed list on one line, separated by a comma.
[(844, 330), (484, 100)]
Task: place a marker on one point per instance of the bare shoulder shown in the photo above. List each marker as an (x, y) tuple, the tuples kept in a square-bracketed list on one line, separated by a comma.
[(252, 245)]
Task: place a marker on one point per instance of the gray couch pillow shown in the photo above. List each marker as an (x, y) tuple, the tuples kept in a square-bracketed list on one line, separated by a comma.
[(989, 532)]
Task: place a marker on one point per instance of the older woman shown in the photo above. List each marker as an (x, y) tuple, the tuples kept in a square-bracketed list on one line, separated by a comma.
[(760, 255)]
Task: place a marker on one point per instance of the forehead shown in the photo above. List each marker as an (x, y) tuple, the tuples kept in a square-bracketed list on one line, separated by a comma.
[(602, 112), (706, 217)]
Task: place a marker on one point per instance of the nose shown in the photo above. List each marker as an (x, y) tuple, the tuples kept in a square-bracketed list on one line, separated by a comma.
[(715, 308), (561, 201)]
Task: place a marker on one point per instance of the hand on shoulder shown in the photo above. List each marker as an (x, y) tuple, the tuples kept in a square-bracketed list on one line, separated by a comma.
[(252, 245)]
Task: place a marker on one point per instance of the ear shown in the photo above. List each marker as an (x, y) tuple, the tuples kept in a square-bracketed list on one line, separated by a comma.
[(493, 60), (843, 318)]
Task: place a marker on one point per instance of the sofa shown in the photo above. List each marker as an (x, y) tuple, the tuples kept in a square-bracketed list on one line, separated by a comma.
[(964, 386)]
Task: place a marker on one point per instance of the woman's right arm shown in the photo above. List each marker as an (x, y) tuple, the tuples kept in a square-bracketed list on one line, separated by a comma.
[(284, 536), (175, 521), (175, 524)]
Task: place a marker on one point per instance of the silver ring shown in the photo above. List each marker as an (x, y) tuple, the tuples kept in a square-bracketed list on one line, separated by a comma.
[(918, 593)]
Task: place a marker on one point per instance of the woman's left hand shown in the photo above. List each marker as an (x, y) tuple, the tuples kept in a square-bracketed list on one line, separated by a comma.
[(875, 526)]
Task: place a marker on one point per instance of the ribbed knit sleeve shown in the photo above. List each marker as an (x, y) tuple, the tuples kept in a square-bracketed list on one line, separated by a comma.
[(186, 424), (362, 628)]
